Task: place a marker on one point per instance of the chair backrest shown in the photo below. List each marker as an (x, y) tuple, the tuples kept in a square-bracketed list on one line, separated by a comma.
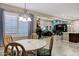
[(50, 44), (7, 39), (15, 49), (34, 36)]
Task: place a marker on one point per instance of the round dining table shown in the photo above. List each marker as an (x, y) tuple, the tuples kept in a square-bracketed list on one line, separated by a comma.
[(32, 44)]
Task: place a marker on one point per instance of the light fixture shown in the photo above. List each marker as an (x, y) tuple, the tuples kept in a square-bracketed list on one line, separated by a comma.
[(21, 18), (25, 16)]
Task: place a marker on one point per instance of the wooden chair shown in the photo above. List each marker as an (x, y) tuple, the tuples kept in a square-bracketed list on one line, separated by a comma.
[(16, 50), (34, 36), (44, 51), (7, 39)]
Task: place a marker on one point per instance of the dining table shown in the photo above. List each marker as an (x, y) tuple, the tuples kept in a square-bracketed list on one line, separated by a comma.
[(32, 44)]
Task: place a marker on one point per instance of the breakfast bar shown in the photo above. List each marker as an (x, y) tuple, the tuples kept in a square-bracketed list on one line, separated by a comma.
[(74, 37)]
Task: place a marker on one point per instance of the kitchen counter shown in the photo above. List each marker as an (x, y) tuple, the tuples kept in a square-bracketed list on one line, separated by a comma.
[(74, 37)]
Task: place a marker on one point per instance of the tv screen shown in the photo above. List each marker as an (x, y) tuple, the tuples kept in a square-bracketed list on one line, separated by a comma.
[(61, 27)]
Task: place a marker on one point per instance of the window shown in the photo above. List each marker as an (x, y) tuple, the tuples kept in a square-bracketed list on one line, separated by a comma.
[(10, 23), (14, 26), (23, 28)]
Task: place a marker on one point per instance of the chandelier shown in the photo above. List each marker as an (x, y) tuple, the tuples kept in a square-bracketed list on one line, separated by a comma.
[(25, 16)]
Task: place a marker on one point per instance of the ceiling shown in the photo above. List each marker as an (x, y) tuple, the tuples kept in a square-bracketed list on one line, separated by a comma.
[(63, 10)]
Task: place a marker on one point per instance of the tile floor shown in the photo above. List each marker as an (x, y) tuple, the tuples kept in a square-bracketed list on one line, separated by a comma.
[(61, 48), (64, 48)]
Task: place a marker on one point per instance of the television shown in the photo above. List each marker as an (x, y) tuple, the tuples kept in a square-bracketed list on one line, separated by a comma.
[(61, 27)]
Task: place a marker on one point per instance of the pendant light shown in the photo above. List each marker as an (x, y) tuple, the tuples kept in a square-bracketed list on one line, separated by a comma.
[(25, 16)]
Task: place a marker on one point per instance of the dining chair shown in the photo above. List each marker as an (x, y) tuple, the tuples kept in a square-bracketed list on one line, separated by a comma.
[(16, 50), (7, 39), (33, 52), (44, 51), (34, 36)]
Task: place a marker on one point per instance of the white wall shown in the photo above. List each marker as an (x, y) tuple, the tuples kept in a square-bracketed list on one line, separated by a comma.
[(45, 23), (76, 26)]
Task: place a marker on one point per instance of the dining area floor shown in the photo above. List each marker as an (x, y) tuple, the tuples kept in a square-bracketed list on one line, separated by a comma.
[(60, 48)]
